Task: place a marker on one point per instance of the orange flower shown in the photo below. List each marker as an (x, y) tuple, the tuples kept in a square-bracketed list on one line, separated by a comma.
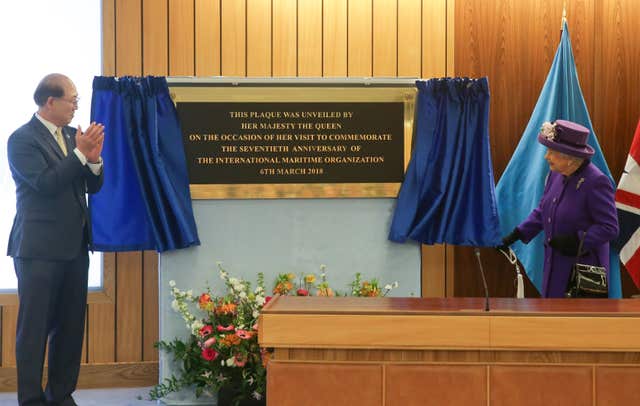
[(205, 301), (230, 340), (226, 308), (239, 360), (325, 292)]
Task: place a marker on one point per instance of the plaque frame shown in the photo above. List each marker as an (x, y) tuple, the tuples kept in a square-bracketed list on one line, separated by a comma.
[(191, 89)]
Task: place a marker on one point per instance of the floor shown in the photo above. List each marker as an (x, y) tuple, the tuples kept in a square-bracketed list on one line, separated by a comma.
[(98, 397)]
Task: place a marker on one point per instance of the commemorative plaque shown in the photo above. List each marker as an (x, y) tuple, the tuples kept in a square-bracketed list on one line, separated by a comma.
[(294, 141)]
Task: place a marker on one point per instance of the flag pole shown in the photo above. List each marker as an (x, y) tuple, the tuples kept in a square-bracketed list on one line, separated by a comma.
[(564, 15)]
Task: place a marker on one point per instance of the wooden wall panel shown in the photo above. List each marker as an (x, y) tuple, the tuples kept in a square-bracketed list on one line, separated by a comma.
[(155, 50), (334, 40), (150, 305), (409, 38), (108, 37), (434, 38), (233, 38), (207, 37), (617, 101), (385, 38), (128, 44), (181, 38), (101, 324), (259, 38), (310, 38), (129, 307), (9, 320), (359, 38), (285, 38)]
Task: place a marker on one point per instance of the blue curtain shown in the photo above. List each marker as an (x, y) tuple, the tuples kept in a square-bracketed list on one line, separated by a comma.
[(448, 194), (144, 202)]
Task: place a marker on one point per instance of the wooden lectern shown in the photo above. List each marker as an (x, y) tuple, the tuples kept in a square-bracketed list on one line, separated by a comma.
[(410, 351)]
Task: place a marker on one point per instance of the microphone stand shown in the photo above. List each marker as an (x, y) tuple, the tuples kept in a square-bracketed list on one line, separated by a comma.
[(484, 280)]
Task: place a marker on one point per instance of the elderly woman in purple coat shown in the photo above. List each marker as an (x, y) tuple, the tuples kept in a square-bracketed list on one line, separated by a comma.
[(577, 204)]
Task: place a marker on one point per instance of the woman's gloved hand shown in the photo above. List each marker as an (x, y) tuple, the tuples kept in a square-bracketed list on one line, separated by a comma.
[(509, 239), (566, 244)]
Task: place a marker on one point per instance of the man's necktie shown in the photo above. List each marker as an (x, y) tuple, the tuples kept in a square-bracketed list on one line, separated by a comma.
[(60, 140)]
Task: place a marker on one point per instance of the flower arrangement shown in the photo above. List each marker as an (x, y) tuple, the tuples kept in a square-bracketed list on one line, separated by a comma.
[(548, 130), (222, 351)]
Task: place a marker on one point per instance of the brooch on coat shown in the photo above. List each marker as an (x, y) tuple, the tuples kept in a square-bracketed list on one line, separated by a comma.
[(580, 182)]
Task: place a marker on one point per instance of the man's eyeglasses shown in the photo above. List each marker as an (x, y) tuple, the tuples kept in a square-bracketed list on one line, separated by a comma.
[(73, 100)]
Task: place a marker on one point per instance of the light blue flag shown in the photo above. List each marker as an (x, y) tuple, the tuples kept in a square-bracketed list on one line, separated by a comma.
[(520, 187)]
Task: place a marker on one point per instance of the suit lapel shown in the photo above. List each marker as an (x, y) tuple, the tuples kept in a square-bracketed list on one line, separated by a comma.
[(45, 138)]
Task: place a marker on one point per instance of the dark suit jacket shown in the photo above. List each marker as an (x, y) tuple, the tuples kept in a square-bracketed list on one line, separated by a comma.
[(51, 206)]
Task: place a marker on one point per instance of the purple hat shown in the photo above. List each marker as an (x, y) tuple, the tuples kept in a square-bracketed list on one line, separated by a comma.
[(566, 137)]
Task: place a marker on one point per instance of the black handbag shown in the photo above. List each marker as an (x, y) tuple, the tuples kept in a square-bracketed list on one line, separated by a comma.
[(587, 281)]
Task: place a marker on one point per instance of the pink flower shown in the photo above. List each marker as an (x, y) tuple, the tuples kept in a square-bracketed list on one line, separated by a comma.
[(221, 328), (206, 330), (255, 326), (244, 334), (239, 360), (209, 342), (302, 292), (209, 354)]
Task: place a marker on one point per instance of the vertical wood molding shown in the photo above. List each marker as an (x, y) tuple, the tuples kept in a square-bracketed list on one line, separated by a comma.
[(409, 38), (207, 37), (234, 35), (259, 34), (385, 38), (101, 324), (128, 37), (434, 270), (129, 307), (434, 38), (310, 38), (285, 41), (181, 37), (108, 38), (334, 38), (359, 38), (9, 320), (150, 305), (155, 19)]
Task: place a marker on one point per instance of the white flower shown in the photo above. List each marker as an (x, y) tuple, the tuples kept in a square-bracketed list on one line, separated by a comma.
[(172, 283), (388, 286), (190, 293), (396, 284), (255, 314), (260, 300), (548, 130), (175, 305), (197, 325), (230, 362), (256, 395), (234, 281), (242, 295)]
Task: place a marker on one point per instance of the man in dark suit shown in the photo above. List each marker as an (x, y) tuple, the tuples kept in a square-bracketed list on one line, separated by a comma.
[(53, 166)]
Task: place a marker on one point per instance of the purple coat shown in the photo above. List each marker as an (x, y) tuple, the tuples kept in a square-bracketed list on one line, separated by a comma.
[(580, 203)]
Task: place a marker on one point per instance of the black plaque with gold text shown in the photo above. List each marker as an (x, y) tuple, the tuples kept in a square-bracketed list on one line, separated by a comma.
[(293, 142)]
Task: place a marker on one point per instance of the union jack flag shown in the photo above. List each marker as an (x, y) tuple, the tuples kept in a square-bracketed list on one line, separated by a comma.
[(628, 204)]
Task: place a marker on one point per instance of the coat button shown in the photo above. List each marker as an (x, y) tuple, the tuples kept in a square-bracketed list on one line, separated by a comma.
[(549, 220)]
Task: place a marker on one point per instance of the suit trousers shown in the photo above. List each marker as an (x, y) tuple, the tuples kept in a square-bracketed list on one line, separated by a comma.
[(53, 301)]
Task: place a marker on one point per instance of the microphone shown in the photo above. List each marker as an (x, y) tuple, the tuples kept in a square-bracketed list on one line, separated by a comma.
[(484, 280)]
